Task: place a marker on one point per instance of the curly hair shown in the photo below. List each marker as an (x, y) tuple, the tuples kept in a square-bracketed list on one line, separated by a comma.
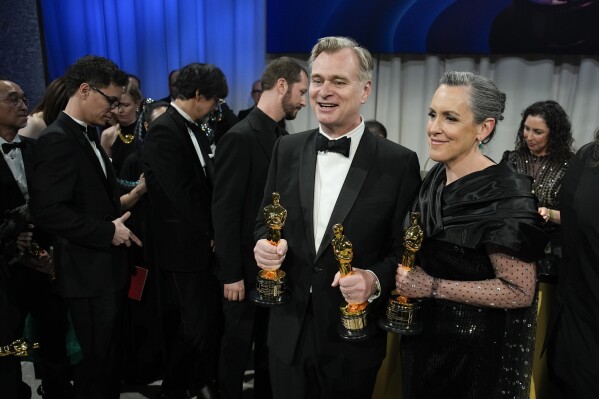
[(560, 129), (94, 70)]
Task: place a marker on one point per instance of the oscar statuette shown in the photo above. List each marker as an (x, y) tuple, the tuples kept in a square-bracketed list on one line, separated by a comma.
[(401, 316), (354, 323), (270, 284)]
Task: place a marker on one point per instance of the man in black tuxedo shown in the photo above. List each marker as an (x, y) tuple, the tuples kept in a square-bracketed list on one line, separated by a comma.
[(338, 173), (177, 163), (29, 287), (242, 160), (75, 197)]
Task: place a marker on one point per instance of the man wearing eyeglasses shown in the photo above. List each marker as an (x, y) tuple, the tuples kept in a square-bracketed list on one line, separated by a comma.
[(25, 285), (177, 164), (75, 196)]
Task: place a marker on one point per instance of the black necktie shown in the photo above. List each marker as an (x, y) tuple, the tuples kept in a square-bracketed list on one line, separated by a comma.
[(8, 147), (340, 146)]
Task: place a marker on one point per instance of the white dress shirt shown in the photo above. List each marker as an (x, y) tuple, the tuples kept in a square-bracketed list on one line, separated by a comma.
[(93, 143), (194, 139), (331, 171)]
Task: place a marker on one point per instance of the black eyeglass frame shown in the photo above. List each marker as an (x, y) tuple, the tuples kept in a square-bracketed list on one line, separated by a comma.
[(15, 100), (113, 102)]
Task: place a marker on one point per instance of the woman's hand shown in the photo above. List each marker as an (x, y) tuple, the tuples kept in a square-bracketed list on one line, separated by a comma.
[(414, 283)]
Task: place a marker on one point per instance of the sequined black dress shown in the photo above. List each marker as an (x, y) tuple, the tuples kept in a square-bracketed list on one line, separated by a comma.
[(547, 173), (468, 351)]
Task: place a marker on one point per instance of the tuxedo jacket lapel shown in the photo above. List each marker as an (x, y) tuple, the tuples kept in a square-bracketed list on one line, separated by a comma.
[(266, 140), (73, 128), (307, 171), (11, 195), (356, 176), (181, 128), (27, 154), (6, 177)]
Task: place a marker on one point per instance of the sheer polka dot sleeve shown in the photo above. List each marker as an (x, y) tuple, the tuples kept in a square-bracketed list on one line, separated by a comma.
[(513, 287)]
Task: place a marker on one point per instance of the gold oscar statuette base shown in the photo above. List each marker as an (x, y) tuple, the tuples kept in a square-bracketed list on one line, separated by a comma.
[(354, 324), (401, 316), (270, 289), (20, 347)]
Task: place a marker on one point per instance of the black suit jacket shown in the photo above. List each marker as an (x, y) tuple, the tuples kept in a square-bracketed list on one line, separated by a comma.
[(245, 112), (242, 159), (378, 191), (72, 199), (11, 198), (180, 194)]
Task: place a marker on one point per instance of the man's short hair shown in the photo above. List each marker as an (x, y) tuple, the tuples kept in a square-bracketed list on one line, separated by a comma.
[(206, 79), (283, 67), (95, 70), (333, 44)]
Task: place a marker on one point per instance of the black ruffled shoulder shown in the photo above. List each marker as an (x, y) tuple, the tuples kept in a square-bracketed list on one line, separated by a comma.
[(494, 206)]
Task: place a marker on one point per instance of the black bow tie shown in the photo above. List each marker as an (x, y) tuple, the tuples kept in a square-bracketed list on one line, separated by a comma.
[(340, 146), (8, 147), (194, 127)]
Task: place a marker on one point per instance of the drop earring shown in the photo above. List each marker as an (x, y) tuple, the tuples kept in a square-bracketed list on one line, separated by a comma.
[(481, 145)]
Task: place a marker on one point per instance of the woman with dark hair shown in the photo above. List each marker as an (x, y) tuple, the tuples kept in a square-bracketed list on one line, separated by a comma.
[(476, 271), (573, 346), (543, 152), (54, 100)]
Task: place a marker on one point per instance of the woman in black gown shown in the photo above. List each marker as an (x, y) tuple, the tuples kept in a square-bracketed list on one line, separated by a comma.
[(477, 271), (543, 152), (573, 348)]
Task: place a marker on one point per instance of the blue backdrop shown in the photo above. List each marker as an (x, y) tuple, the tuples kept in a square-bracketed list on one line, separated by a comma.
[(149, 38)]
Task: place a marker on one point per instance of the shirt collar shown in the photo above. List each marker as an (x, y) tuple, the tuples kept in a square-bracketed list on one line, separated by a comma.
[(80, 122), (17, 139), (183, 113)]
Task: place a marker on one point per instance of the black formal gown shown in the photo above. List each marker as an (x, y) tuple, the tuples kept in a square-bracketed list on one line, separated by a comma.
[(468, 351)]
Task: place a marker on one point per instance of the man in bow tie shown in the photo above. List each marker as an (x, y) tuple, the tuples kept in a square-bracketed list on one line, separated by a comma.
[(75, 197), (242, 159), (25, 284), (338, 173), (177, 164)]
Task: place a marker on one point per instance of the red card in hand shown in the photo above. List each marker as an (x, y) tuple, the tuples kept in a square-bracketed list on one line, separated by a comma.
[(138, 281)]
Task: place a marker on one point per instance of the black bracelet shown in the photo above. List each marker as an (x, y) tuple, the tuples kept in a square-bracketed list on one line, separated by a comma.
[(435, 286)]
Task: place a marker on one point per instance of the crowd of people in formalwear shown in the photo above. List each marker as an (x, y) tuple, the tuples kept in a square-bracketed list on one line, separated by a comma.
[(138, 226)]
